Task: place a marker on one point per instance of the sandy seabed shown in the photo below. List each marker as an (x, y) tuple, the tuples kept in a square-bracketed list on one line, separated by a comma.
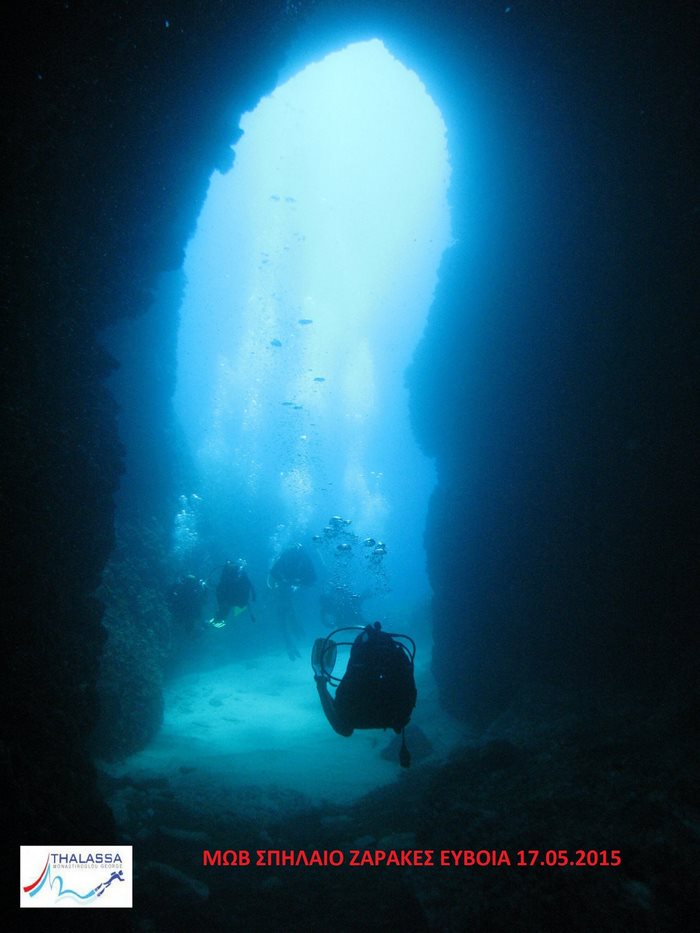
[(257, 725)]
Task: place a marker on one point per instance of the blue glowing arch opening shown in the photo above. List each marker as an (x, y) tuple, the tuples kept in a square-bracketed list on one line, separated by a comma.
[(309, 279)]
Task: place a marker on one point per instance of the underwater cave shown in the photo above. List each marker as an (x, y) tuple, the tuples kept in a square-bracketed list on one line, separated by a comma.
[(481, 359), (308, 285), (304, 292)]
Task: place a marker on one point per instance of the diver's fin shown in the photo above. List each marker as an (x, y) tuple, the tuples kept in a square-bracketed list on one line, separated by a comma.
[(217, 623)]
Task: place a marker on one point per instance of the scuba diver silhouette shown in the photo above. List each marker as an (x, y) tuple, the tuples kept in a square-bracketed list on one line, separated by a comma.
[(291, 570), (234, 591), (115, 876), (378, 689), (186, 600)]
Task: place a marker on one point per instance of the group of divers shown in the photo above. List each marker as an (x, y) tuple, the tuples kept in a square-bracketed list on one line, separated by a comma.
[(377, 689)]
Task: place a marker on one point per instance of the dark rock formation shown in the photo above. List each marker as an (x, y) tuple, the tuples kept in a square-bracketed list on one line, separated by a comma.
[(593, 787), (563, 410), (118, 115), (562, 537), (137, 620)]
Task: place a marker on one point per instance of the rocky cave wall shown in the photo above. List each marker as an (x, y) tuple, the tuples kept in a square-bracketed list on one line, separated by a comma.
[(563, 535), (560, 325), (118, 115)]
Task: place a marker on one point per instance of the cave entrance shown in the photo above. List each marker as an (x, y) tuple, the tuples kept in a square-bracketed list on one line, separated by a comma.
[(309, 279), (308, 283)]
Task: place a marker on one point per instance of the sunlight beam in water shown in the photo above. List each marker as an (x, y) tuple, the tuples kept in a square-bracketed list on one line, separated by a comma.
[(309, 280)]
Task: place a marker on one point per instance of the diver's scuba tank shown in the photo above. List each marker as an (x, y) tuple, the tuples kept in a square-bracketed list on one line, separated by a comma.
[(377, 690)]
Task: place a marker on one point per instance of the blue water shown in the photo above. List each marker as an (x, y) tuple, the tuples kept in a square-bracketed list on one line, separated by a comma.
[(308, 283)]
